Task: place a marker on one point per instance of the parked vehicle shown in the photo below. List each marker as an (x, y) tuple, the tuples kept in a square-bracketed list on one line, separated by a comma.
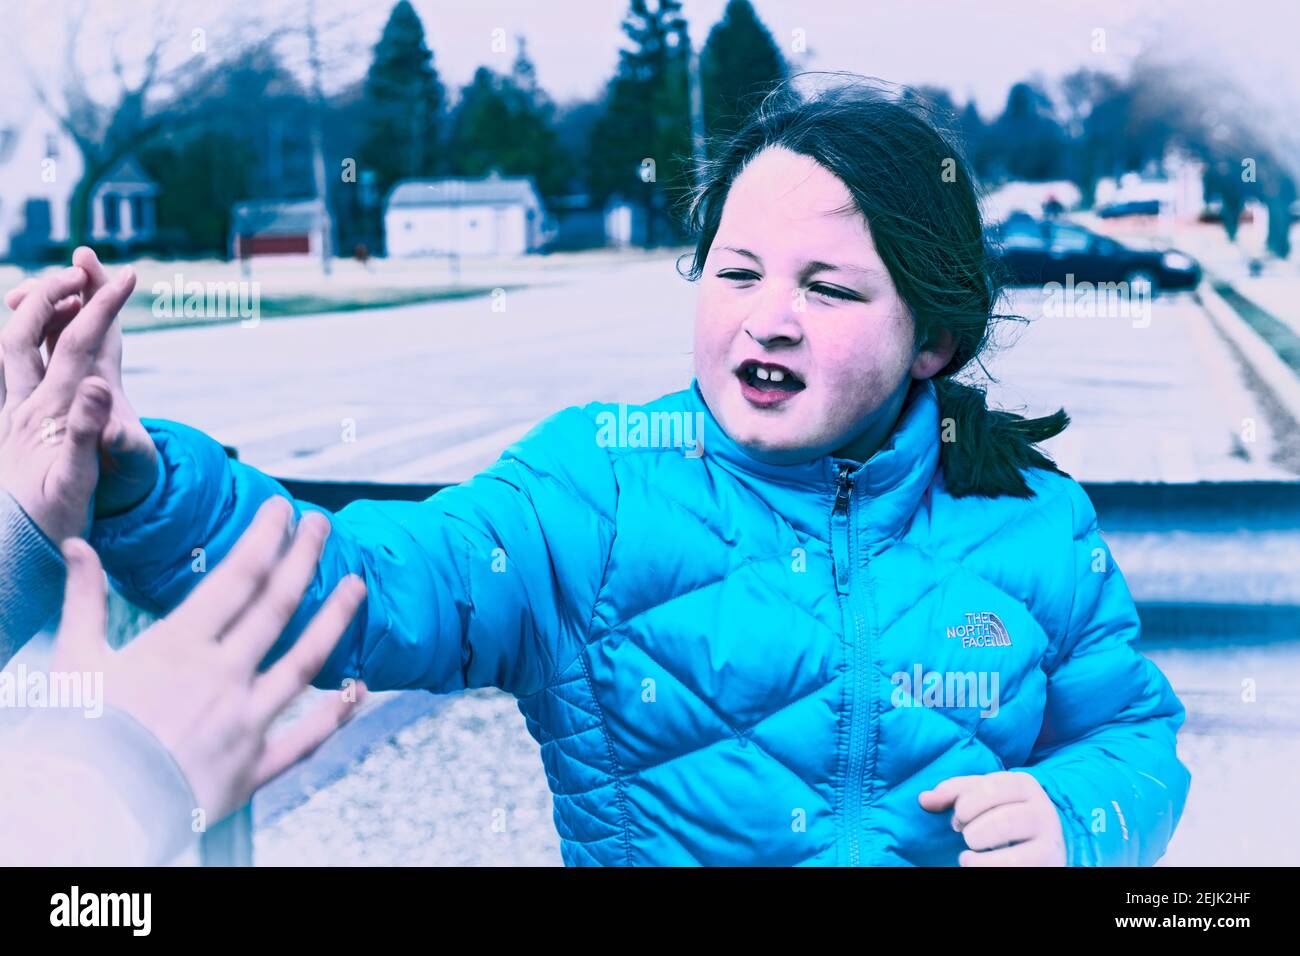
[(1138, 207), (1036, 251)]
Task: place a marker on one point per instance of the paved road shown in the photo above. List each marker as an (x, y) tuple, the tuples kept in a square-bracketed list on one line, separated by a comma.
[(434, 392), (429, 392)]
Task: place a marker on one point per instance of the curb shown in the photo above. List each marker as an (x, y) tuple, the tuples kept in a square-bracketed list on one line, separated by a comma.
[(1274, 373)]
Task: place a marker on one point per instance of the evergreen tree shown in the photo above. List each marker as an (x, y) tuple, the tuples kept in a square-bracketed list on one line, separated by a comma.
[(739, 64), (506, 124), (403, 99), (1029, 141), (640, 147)]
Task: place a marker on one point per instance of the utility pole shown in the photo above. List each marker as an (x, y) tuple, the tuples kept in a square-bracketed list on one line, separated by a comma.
[(696, 97), (317, 140)]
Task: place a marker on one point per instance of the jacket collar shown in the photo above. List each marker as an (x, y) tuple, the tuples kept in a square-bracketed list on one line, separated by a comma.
[(887, 488)]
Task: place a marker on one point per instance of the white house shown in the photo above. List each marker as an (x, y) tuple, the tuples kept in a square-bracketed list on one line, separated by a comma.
[(39, 168), (122, 205), (492, 216)]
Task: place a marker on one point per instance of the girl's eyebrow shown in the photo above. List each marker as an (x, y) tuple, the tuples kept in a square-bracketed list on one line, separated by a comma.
[(813, 266)]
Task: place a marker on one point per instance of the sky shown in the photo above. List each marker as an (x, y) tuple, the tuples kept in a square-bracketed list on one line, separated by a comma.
[(974, 48)]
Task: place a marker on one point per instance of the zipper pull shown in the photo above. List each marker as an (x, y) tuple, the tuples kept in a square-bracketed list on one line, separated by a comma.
[(844, 489)]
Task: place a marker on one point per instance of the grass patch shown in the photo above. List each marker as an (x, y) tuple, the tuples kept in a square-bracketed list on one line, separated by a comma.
[(1280, 336), (140, 317)]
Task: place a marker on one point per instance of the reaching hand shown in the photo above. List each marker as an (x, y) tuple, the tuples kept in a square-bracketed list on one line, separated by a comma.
[(1007, 819), (127, 457), (52, 417), (192, 678)]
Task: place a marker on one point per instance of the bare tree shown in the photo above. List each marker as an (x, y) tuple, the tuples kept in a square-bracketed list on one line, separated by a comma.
[(139, 92)]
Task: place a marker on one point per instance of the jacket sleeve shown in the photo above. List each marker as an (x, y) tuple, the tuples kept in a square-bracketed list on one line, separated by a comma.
[(475, 586), (1106, 754)]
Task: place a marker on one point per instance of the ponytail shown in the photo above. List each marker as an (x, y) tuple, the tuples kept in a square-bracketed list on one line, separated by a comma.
[(989, 447)]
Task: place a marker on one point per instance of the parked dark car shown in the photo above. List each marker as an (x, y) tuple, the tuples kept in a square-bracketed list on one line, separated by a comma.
[(1140, 207), (1035, 252)]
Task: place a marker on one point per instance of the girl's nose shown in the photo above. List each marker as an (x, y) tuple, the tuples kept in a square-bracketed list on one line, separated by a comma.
[(775, 320)]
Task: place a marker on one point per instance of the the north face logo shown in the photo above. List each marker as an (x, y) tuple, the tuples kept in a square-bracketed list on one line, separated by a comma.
[(982, 629)]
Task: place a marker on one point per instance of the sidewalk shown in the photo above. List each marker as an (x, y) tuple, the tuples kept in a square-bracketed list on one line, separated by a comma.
[(1162, 400)]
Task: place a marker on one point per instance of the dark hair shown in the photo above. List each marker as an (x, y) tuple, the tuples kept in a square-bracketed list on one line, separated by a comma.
[(915, 189)]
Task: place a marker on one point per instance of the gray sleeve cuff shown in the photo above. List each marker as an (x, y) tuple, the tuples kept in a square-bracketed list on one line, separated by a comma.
[(31, 578)]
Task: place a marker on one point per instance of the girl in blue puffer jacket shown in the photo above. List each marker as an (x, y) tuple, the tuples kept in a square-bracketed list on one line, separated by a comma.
[(821, 607)]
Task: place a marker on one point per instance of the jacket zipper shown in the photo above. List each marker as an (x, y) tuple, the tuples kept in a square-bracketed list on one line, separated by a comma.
[(842, 547)]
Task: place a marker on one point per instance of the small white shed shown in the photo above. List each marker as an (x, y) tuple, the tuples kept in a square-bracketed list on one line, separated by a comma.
[(492, 216)]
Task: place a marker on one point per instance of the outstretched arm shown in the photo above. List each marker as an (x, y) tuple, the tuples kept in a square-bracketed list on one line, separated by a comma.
[(466, 588)]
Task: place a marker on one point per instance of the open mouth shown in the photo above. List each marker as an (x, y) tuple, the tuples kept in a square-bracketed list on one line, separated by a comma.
[(767, 383)]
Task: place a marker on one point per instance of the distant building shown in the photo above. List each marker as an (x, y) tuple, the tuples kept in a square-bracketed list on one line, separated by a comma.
[(276, 227), (1030, 198), (1178, 186), (627, 223), (492, 216), (579, 223), (39, 168), (122, 204)]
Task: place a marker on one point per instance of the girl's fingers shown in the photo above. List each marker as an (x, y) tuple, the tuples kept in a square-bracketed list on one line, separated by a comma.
[(25, 331), (80, 342), (84, 258), (82, 637), (1001, 826), (76, 470), (225, 592), (1022, 854), (282, 683), (983, 793), (304, 736), (269, 614), (64, 313), (15, 295)]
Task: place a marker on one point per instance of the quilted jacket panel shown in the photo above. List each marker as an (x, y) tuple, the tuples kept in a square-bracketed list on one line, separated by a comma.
[(726, 661)]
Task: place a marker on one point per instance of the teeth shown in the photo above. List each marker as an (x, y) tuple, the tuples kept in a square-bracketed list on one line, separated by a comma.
[(777, 375), (762, 373)]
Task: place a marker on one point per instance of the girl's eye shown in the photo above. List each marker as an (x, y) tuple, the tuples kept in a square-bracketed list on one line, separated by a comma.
[(834, 292), (740, 275)]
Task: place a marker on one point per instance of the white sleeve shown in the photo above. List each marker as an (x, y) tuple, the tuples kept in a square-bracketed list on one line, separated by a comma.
[(77, 790)]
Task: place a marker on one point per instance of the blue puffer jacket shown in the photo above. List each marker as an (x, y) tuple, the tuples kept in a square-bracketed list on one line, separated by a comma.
[(732, 662)]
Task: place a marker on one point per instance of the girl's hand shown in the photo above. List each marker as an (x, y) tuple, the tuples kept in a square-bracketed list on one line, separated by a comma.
[(1007, 819), (192, 678), (52, 417), (127, 456)]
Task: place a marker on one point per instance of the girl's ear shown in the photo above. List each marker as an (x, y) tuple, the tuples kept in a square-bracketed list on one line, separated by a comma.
[(935, 354)]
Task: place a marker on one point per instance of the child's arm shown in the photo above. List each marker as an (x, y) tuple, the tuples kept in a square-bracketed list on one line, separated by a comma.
[(1106, 754), (468, 588)]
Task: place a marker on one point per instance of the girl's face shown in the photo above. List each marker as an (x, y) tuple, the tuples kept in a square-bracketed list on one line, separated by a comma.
[(802, 344)]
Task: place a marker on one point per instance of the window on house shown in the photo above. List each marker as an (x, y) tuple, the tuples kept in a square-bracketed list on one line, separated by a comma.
[(137, 213), (111, 223)]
